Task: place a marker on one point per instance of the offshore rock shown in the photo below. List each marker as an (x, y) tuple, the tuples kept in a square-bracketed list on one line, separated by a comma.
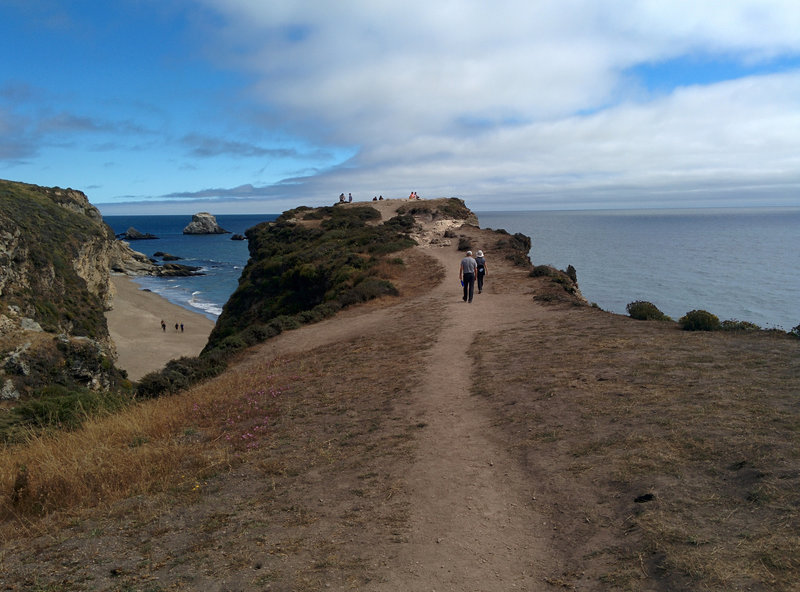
[(204, 223), (178, 270), (133, 234)]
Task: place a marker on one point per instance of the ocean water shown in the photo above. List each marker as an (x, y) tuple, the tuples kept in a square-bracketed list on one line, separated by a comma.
[(219, 257), (741, 264)]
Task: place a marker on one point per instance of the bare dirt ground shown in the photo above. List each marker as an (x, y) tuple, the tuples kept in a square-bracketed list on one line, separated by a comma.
[(430, 444)]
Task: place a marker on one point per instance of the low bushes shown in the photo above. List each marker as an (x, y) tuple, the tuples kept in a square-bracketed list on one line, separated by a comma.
[(734, 325), (645, 311), (699, 320), (65, 408)]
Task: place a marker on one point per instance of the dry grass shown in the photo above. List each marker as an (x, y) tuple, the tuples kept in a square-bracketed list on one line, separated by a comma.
[(705, 426), (285, 472)]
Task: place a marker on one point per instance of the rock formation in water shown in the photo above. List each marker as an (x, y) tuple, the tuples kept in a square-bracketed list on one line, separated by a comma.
[(133, 234), (204, 223)]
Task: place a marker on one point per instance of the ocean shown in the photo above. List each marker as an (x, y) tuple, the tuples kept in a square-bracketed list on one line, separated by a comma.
[(220, 258), (739, 264)]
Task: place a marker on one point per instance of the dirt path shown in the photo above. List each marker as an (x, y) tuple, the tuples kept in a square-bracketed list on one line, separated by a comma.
[(473, 525), (473, 522)]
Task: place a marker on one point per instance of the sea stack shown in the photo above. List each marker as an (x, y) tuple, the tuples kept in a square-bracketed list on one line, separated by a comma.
[(204, 223)]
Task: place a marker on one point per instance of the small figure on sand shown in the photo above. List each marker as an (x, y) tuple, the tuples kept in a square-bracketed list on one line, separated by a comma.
[(181, 327), (413, 195), (466, 273), (349, 198), (163, 325), (176, 326), (481, 261)]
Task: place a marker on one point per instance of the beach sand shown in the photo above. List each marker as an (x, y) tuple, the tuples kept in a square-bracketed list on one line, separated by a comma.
[(134, 323)]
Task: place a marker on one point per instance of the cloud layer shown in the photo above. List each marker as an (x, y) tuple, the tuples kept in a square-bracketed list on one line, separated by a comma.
[(511, 104), (534, 99)]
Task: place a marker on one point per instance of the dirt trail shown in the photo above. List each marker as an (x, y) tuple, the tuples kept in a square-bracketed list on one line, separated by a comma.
[(473, 523), (473, 526)]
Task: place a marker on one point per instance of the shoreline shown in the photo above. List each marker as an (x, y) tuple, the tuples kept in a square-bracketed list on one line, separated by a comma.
[(134, 324)]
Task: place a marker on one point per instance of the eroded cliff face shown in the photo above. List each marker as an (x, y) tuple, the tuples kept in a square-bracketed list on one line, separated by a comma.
[(56, 259)]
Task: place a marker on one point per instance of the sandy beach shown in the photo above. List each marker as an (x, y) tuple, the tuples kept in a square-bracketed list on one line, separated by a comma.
[(134, 323)]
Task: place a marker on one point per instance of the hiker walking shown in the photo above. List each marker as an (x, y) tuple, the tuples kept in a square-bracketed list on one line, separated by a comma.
[(481, 261), (466, 273)]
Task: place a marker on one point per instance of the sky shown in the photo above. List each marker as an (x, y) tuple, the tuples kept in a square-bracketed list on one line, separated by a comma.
[(254, 106)]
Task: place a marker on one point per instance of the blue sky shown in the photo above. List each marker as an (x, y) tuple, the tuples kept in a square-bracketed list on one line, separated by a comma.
[(250, 106)]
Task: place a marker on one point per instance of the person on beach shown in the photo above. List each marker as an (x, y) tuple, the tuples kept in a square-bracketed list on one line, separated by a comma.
[(481, 261), (349, 198), (466, 273), (181, 327), (176, 326), (163, 325)]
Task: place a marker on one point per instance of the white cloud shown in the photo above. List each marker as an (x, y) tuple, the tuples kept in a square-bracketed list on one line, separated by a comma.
[(476, 98)]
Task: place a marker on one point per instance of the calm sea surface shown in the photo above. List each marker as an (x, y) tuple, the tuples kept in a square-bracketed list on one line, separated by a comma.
[(739, 264)]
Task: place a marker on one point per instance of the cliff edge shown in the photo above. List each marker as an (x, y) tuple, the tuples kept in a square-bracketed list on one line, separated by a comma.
[(56, 260)]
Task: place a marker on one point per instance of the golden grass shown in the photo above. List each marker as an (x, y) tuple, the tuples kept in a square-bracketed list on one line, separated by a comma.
[(708, 424), (282, 472), (152, 446)]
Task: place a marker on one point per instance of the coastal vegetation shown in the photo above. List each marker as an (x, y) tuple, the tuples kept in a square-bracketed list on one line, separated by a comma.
[(308, 264), (645, 311), (43, 238), (304, 267), (56, 357)]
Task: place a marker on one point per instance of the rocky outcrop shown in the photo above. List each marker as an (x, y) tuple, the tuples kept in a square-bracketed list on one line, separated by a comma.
[(56, 257), (166, 256), (204, 223), (133, 234), (123, 259), (178, 270)]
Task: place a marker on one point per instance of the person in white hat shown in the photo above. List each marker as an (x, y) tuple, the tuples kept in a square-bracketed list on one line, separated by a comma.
[(481, 261)]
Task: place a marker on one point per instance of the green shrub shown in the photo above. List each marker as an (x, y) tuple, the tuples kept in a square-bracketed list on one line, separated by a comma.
[(231, 343), (154, 384), (258, 333), (543, 271), (734, 325), (645, 311), (59, 406), (196, 368), (572, 273), (699, 320)]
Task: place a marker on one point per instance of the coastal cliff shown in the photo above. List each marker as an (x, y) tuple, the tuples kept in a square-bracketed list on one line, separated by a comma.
[(56, 260)]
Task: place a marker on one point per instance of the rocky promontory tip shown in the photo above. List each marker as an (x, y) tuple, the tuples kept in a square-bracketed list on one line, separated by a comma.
[(204, 223)]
